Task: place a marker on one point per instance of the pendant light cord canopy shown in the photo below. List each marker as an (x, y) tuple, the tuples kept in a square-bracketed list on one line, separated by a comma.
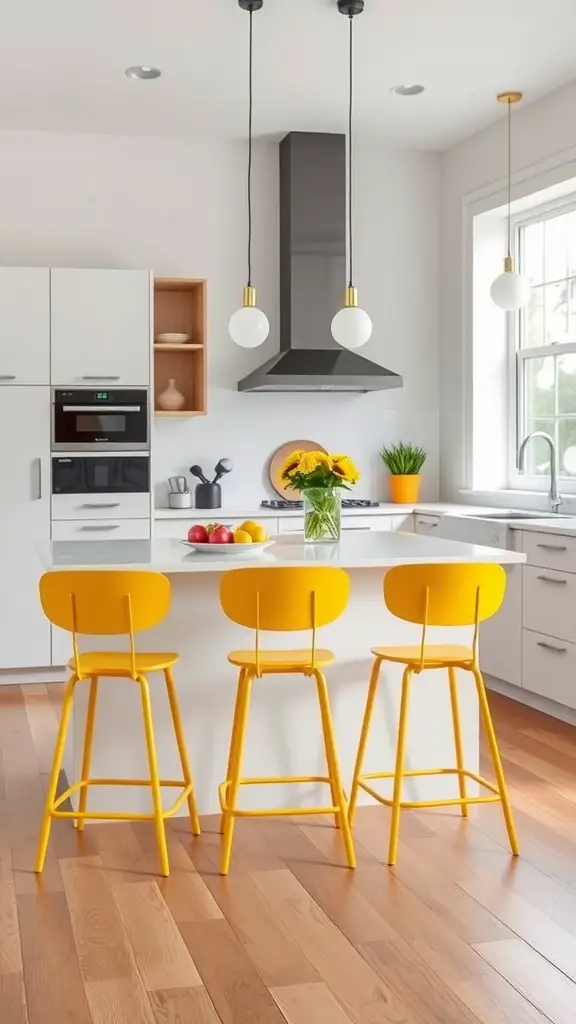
[(249, 326)]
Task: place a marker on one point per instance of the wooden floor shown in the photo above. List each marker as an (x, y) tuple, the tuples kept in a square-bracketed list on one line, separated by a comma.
[(457, 933)]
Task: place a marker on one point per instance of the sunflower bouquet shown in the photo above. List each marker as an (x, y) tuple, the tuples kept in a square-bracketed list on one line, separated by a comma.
[(319, 476)]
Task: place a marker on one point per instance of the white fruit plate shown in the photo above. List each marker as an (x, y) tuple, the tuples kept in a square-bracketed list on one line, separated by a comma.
[(229, 550)]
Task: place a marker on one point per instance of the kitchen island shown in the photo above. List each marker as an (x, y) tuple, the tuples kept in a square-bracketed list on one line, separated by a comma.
[(284, 735)]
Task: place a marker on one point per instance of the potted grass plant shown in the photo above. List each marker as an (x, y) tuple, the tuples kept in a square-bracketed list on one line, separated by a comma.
[(404, 462)]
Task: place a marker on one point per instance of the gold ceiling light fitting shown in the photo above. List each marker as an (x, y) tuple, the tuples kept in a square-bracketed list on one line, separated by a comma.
[(510, 290)]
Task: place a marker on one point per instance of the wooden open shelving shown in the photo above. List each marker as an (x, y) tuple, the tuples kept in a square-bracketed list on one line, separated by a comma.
[(180, 307)]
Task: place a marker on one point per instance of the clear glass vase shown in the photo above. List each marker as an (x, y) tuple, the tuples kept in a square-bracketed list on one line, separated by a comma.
[(322, 508)]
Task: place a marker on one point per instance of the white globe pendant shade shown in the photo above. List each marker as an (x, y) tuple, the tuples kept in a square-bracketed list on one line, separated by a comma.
[(351, 327), (510, 290), (249, 326)]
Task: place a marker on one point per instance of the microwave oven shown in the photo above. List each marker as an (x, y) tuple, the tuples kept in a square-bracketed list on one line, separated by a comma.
[(110, 420)]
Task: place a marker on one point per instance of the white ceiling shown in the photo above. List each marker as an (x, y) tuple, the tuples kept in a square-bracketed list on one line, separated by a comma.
[(62, 65)]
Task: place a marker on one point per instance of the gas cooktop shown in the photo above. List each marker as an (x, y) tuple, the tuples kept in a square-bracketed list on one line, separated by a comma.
[(282, 503)]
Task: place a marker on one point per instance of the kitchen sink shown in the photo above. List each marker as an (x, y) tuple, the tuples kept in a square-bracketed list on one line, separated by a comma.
[(518, 515)]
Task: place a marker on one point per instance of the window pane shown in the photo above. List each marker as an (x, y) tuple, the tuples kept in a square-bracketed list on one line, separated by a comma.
[(566, 368), (556, 313), (538, 451), (556, 248), (539, 398), (567, 446), (532, 320), (533, 251), (572, 241)]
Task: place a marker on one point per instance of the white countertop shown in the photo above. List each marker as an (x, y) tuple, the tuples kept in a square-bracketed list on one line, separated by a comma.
[(368, 550)]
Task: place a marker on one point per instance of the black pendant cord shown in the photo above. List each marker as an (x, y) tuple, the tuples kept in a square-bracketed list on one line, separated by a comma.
[(350, 243), (509, 177), (249, 282)]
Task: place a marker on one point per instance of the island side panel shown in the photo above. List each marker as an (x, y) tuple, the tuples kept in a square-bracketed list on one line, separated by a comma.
[(284, 735)]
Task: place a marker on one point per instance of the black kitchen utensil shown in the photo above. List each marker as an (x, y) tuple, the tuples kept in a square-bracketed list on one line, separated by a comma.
[(197, 472), (221, 468)]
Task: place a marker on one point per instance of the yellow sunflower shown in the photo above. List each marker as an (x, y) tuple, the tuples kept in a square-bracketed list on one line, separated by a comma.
[(343, 467), (309, 462), (292, 463)]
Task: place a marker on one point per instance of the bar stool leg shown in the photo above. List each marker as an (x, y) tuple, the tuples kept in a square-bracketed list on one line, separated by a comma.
[(55, 773), (372, 691), (455, 703), (331, 771), (233, 739), (496, 761), (238, 737), (182, 749), (154, 778), (87, 751), (333, 768), (399, 768)]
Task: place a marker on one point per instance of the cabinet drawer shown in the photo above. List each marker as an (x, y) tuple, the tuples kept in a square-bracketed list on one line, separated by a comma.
[(549, 550), (100, 506), (549, 602), (427, 524), (549, 667), (101, 529), (178, 528), (295, 524)]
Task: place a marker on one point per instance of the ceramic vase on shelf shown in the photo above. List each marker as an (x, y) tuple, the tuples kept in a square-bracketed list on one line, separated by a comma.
[(171, 400), (322, 510)]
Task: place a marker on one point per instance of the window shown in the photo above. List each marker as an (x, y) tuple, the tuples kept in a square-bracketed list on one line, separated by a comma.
[(545, 343)]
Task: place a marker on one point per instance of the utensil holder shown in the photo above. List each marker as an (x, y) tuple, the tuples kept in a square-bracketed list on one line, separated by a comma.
[(180, 500), (208, 496)]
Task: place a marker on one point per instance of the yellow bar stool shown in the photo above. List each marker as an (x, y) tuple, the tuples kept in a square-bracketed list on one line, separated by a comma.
[(437, 595), (112, 604), (282, 599)]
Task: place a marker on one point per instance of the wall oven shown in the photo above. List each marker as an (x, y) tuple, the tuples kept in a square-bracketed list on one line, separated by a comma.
[(101, 474), (114, 420)]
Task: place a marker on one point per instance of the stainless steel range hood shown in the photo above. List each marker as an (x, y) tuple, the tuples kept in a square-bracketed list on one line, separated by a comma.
[(313, 275)]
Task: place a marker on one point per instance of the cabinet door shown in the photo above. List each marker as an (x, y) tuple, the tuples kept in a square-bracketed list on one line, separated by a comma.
[(24, 524), (430, 525), (24, 325), (100, 328)]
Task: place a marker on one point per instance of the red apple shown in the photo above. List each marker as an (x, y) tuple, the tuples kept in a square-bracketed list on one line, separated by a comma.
[(219, 536), (197, 534)]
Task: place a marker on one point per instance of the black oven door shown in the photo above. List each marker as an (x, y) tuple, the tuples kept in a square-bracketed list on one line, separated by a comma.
[(113, 420), (101, 474)]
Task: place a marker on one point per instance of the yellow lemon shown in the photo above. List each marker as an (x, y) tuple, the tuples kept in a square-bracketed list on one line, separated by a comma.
[(248, 525), (258, 534), (242, 537)]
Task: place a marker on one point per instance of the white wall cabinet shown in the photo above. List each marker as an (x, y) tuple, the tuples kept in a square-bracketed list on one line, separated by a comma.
[(100, 328), (24, 524), (24, 325)]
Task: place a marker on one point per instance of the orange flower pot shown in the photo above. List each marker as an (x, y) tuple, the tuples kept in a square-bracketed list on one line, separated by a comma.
[(404, 490)]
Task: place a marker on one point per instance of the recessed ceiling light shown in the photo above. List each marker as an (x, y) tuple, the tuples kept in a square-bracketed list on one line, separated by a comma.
[(407, 90), (142, 71)]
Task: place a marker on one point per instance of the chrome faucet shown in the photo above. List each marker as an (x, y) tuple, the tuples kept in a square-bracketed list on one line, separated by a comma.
[(555, 496)]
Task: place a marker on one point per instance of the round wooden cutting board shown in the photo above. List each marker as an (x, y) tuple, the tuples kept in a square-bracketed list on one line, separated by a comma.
[(279, 458)]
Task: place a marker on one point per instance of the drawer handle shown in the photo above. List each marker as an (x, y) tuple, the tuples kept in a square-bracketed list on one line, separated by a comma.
[(96, 529), (552, 547), (100, 377), (552, 579), (356, 528), (112, 504), (7, 376), (551, 647), (424, 522)]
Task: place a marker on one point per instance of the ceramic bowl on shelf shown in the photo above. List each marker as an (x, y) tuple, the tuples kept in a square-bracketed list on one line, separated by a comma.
[(171, 339)]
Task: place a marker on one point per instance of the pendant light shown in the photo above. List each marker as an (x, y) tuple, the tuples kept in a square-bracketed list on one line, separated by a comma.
[(351, 327), (510, 290), (249, 326)]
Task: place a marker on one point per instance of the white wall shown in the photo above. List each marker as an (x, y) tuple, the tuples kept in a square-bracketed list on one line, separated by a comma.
[(179, 207), (473, 181)]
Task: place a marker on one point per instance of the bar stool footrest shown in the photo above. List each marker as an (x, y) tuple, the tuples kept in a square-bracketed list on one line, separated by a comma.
[(284, 811), (419, 804), (118, 815)]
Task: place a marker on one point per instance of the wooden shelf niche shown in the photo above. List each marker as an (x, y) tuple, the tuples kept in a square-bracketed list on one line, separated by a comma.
[(180, 307)]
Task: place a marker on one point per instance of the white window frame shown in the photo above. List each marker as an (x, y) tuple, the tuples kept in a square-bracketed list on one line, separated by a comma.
[(518, 356)]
